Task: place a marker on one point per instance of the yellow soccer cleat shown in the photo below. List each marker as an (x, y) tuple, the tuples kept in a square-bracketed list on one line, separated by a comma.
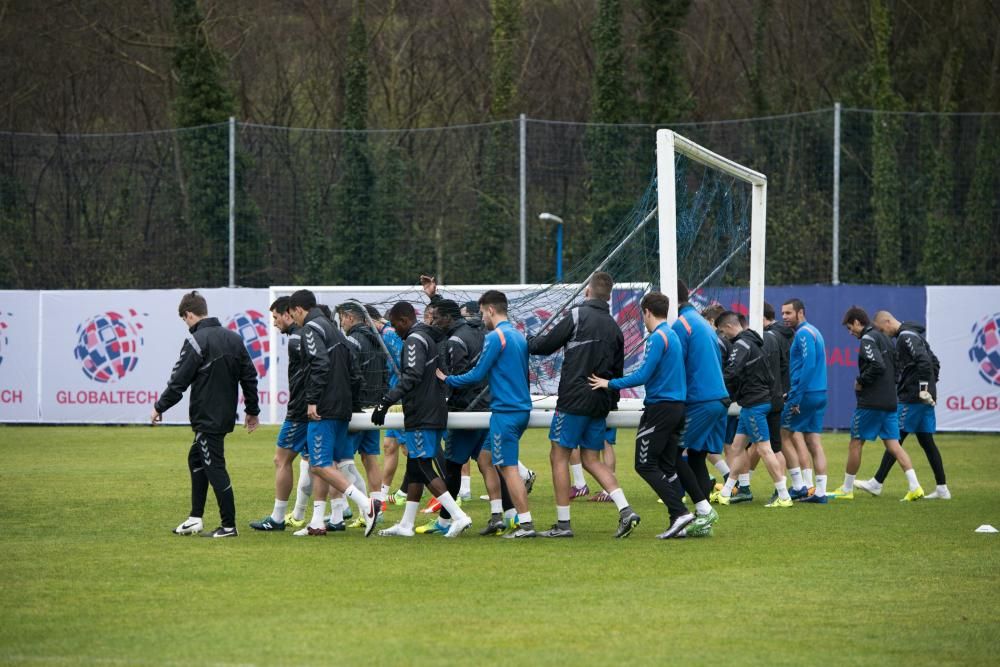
[(915, 494), (293, 522), (723, 500), (778, 502), (841, 494)]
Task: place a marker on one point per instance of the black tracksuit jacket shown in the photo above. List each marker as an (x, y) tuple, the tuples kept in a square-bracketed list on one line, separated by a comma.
[(876, 371), (331, 381), (747, 374), (370, 361), (296, 409), (461, 353), (784, 337), (423, 395), (915, 362), (772, 351)]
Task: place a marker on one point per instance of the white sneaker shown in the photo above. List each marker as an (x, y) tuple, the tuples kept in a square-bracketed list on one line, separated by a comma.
[(940, 493), (399, 530), (484, 497), (190, 526), (466, 497), (458, 525), (869, 485)]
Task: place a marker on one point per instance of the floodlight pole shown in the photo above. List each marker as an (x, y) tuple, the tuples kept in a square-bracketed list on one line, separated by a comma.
[(523, 123), (232, 201), (666, 206), (835, 278)]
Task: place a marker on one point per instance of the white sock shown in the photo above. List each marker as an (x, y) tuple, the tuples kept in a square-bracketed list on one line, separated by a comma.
[(523, 471), (942, 488), (280, 507), (359, 499), (466, 486), (848, 482), (796, 474), (745, 480), (524, 519), (337, 510), (562, 512), (618, 496), (779, 486), (576, 469), (807, 477), (385, 491), (496, 506), (702, 507), (722, 467), (911, 477), (350, 471), (509, 514), (820, 485), (319, 507), (449, 504), (305, 485), (727, 489), (444, 523), (409, 514)]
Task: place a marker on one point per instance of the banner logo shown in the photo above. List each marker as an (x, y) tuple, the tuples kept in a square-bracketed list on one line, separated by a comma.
[(3, 335), (108, 346), (985, 350), (252, 328)]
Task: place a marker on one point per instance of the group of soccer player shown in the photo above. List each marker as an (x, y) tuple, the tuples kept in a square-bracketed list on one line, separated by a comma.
[(471, 358)]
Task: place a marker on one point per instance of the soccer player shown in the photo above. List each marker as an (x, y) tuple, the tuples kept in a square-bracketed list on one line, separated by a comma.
[(329, 393), (425, 416), (292, 437), (594, 345), (806, 402), (778, 337), (721, 462), (875, 415), (751, 384), (504, 360), (215, 364), (658, 437), (392, 439), (917, 392)]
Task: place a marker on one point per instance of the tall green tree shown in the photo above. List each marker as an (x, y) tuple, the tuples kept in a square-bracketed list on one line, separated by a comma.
[(665, 93)]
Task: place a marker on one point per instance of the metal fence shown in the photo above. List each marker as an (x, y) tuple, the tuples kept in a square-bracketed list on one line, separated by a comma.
[(854, 196)]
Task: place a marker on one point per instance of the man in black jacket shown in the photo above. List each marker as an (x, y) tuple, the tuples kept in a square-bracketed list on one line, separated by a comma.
[(875, 415), (594, 345), (215, 364), (916, 388), (750, 383), (329, 388)]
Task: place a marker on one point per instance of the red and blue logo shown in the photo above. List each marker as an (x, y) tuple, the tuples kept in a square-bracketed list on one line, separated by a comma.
[(252, 328), (985, 350), (108, 345)]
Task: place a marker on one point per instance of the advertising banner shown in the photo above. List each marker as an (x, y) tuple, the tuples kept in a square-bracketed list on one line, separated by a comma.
[(18, 356)]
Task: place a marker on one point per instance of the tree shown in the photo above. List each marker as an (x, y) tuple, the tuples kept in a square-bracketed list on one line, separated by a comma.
[(665, 95)]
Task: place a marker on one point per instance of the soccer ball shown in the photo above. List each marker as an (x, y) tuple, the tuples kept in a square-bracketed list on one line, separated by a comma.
[(985, 350), (252, 328), (107, 346)]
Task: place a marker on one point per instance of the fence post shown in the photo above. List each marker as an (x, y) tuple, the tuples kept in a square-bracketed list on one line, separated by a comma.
[(232, 201), (835, 278), (524, 198)]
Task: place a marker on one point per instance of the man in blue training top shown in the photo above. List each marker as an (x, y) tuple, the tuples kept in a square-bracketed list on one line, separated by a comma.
[(806, 402), (393, 438), (504, 360)]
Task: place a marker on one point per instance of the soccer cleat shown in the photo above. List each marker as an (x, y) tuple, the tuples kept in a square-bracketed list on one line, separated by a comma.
[(267, 523), (870, 485), (493, 527), (348, 512), (399, 530), (309, 531), (190, 526), (556, 531), (520, 533), (335, 527), (433, 507), (800, 492), (221, 532), (399, 497), (627, 524), (357, 523), (713, 497), (816, 500), (696, 531), (290, 520), (676, 526), (711, 518), (602, 497), (458, 526), (464, 498), (529, 483), (940, 493), (742, 495), (431, 528), (485, 496), (841, 494), (915, 494), (778, 502), (372, 515), (578, 491), (723, 500)]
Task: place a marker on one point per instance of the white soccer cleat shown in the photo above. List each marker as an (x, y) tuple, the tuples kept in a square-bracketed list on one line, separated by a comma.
[(190, 526), (458, 526), (869, 485), (940, 493), (399, 530)]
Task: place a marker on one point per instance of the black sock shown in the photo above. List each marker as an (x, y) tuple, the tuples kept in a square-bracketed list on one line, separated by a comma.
[(926, 441)]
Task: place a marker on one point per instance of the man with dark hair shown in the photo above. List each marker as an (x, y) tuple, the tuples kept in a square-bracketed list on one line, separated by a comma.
[(875, 415), (504, 360), (215, 364), (329, 386), (393, 438), (594, 345), (425, 416), (916, 390), (720, 462), (806, 401)]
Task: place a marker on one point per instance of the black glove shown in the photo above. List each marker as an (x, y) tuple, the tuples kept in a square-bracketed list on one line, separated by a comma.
[(378, 415)]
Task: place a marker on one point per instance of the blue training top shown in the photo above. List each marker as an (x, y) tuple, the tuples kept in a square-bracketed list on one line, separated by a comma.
[(806, 363), (394, 344), (505, 359), (702, 362), (662, 369)]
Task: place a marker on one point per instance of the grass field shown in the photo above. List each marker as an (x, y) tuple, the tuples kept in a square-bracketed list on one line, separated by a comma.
[(93, 575)]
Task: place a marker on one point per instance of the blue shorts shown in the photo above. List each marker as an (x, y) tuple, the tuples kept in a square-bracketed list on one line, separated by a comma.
[(572, 431), (811, 411), (505, 436), (365, 442), (326, 437), (732, 424), (464, 444), (752, 422), (611, 436), (916, 418), (393, 433), (705, 426), (293, 436), (423, 443), (868, 424)]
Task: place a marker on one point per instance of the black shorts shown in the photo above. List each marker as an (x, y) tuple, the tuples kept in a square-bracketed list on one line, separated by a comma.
[(774, 426)]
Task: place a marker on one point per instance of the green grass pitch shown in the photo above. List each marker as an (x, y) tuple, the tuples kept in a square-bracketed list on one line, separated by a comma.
[(93, 576)]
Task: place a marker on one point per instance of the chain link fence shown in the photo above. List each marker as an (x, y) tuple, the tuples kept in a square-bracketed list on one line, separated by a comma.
[(919, 201)]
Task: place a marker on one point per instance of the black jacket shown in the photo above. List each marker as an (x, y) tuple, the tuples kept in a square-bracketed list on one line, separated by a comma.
[(784, 336), (915, 362), (215, 364), (424, 405), (747, 375), (594, 344), (370, 360), (772, 351), (876, 371), (296, 377), (330, 379), (461, 353), (725, 347)]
